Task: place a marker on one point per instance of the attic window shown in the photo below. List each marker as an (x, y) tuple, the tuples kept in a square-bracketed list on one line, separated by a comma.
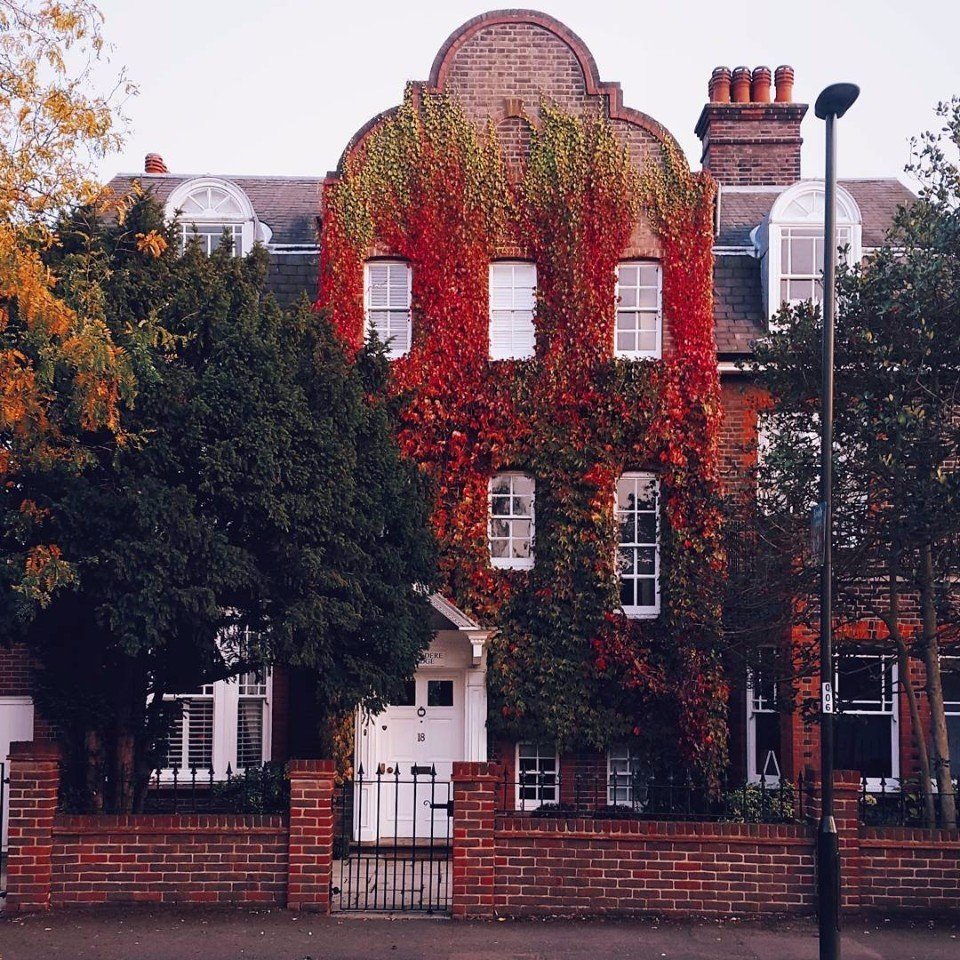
[(790, 243), (212, 211)]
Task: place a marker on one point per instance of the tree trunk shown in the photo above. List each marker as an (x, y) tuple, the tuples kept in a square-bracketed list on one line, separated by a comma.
[(931, 659), (93, 757), (903, 671)]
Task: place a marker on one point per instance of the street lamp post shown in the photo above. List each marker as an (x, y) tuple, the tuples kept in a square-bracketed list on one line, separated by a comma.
[(832, 104)]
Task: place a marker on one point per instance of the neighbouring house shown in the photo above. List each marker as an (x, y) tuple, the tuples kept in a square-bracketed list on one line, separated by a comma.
[(500, 67)]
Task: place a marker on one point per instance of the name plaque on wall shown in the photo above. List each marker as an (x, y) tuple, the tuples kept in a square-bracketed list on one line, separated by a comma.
[(431, 658)]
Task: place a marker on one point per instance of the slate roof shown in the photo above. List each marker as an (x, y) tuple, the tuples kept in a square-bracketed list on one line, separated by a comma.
[(738, 301), (742, 209), (289, 206)]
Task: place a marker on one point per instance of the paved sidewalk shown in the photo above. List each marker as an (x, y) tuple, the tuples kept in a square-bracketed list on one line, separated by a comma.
[(192, 934)]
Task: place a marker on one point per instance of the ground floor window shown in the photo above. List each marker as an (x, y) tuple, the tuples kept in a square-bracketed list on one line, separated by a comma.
[(865, 726), (222, 727), (950, 677), (537, 769), (763, 718), (623, 769)]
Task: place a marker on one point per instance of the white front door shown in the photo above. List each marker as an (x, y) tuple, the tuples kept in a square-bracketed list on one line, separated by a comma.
[(413, 739), (16, 723)]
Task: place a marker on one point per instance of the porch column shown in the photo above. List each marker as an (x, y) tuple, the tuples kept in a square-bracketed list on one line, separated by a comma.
[(475, 718)]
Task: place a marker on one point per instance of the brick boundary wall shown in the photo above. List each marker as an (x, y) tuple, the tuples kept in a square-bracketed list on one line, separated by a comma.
[(516, 865), (502, 865), (178, 858), (56, 860)]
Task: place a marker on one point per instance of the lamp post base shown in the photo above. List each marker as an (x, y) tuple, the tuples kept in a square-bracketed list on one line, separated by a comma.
[(828, 888)]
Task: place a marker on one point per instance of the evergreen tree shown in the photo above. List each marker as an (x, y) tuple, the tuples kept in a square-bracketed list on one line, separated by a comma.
[(258, 488)]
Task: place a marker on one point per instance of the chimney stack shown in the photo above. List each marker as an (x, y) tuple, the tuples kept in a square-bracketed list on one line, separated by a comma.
[(746, 138), (153, 163)]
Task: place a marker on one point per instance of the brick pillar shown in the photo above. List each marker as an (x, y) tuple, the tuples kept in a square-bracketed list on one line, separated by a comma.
[(474, 851), (311, 834), (846, 813), (34, 784)]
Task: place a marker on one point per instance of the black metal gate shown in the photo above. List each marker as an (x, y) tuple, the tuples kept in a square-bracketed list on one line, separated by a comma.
[(392, 841)]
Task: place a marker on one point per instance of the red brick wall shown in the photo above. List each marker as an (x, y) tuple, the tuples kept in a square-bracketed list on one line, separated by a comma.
[(517, 865), (15, 680), (179, 858), (752, 143), (169, 859), (910, 869), (588, 867)]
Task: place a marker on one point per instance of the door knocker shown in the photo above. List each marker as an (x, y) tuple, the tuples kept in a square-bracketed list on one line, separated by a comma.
[(421, 711)]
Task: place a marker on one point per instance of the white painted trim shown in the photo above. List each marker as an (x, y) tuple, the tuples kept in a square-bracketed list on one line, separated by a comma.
[(534, 804), (513, 563), (657, 351), (637, 612)]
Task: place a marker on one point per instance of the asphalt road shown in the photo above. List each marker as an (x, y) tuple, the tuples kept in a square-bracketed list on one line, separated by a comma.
[(190, 934)]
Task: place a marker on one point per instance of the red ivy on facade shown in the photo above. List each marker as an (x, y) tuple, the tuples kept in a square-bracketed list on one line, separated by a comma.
[(428, 187)]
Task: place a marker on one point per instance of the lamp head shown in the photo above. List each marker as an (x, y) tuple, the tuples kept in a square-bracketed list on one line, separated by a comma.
[(836, 100)]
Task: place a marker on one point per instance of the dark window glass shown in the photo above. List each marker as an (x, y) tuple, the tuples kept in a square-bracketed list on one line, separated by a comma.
[(863, 743), (767, 728), (409, 696), (439, 693)]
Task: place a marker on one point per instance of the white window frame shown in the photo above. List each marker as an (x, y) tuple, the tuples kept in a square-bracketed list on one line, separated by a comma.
[(802, 206), (889, 706), (951, 708), (757, 704), (543, 752), (638, 311), (226, 696), (512, 563), (621, 781), (394, 349), (232, 211), (519, 318), (635, 611)]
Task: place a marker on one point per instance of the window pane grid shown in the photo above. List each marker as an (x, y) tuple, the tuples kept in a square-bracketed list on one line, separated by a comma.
[(623, 767), (638, 555), (511, 520), (250, 732), (638, 319), (210, 236), (387, 297), (801, 262), (513, 298), (536, 774)]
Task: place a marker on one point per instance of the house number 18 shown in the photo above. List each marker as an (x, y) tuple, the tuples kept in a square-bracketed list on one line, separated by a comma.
[(421, 737)]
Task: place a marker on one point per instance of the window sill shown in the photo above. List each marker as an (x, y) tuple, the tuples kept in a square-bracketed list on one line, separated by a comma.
[(500, 564), (641, 613)]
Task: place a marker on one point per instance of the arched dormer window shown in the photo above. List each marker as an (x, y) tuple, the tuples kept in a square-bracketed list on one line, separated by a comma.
[(790, 243), (207, 208)]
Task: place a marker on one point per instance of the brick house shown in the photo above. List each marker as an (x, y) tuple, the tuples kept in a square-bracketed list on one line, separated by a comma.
[(768, 219)]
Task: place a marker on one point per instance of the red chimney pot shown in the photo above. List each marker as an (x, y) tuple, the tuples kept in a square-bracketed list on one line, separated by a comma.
[(719, 85), (153, 163), (784, 81), (740, 85), (760, 89)]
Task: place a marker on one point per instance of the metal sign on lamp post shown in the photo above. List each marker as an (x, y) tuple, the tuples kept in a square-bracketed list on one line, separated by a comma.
[(832, 104)]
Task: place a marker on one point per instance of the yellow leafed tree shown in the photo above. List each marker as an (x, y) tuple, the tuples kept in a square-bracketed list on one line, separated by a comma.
[(60, 372)]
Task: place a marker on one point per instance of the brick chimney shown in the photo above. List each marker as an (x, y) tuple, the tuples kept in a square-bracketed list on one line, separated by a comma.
[(153, 163), (746, 138)]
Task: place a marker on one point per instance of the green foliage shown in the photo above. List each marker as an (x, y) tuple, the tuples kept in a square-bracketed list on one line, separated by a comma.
[(263, 789), (259, 488)]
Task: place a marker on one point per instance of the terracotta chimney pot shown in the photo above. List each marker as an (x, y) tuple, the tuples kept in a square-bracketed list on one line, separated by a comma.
[(760, 89), (153, 163), (740, 85), (784, 81), (719, 85)]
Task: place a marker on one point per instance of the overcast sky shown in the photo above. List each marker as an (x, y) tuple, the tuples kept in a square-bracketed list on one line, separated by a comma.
[(279, 86)]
